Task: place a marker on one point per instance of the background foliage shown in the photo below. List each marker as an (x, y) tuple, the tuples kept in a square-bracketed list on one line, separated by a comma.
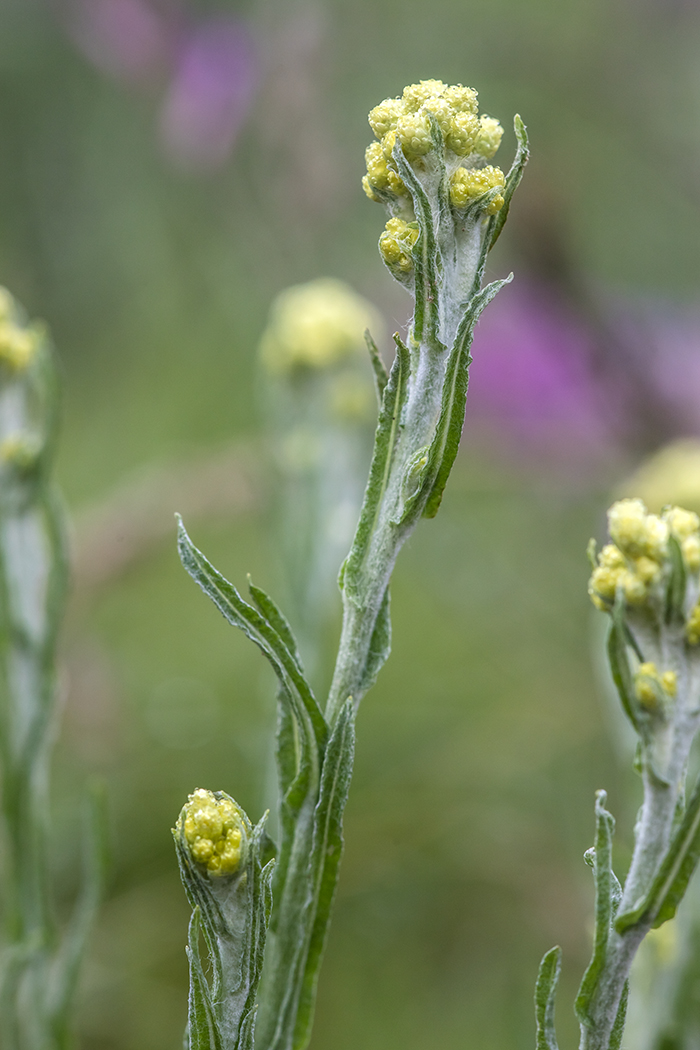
[(153, 242)]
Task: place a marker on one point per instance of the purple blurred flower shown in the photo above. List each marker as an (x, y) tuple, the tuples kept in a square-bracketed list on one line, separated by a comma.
[(531, 379), (127, 39), (210, 94)]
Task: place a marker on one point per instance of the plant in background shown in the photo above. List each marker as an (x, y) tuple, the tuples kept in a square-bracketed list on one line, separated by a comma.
[(447, 207), (648, 581), (38, 968)]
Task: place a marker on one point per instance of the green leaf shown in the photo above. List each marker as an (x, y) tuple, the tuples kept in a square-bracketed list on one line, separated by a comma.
[(256, 625), (386, 438), (379, 646), (607, 899), (295, 951), (327, 851), (513, 177), (381, 376), (448, 432), (545, 992), (675, 591), (202, 1026), (619, 663), (426, 258), (276, 619), (618, 1027), (667, 890)]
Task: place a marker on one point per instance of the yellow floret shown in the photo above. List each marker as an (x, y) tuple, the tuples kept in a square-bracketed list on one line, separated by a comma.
[(634, 589), (214, 832), (489, 138), (416, 94), (316, 325), (396, 242), (462, 99), (690, 548), (647, 569), (650, 686), (442, 111), (17, 345), (413, 132), (636, 532), (466, 185), (384, 116), (462, 134), (682, 523), (20, 450), (669, 682), (612, 557)]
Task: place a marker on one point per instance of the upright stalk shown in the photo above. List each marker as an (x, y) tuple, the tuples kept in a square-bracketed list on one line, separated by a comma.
[(447, 206), (39, 969)]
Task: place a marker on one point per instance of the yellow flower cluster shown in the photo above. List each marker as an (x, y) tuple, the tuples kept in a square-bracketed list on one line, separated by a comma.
[(650, 686), (214, 832), (408, 120), (466, 184), (316, 326), (17, 344), (639, 552), (396, 242)]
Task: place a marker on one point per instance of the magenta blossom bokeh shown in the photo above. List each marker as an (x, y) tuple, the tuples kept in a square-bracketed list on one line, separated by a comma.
[(531, 379), (205, 70)]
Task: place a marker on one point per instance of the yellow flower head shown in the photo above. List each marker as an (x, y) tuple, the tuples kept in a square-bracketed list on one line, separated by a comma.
[(18, 343), (636, 532), (409, 120), (650, 687), (316, 326), (214, 831), (489, 138), (468, 184), (396, 242)]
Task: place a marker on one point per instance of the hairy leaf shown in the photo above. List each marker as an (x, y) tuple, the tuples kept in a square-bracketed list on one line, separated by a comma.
[(675, 592), (619, 663), (380, 645), (667, 890), (381, 376), (202, 1026), (260, 630), (607, 898), (385, 441), (545, 992), (426, 257), (513, 177), (445, 444)]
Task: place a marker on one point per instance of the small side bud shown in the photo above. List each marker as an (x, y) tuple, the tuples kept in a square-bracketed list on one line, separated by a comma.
[(215, 832)]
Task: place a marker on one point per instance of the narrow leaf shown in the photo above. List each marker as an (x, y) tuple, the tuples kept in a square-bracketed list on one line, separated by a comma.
[(203, 1028), (388, 428), (619, 663), (426, 256), (675, 592), (275, 618), (379, 646), (326, 852), (448, 432), (259, 629), (677, 867), (381, 376), (545, 992), (618, 1028), (607, 895), (513, 177)]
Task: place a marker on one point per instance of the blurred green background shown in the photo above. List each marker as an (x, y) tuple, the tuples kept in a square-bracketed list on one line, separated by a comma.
[(154, 197)]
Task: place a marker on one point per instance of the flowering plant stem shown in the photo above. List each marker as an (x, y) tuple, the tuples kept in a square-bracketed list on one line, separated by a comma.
[(39, 969), (453, 209), (648, 581)]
